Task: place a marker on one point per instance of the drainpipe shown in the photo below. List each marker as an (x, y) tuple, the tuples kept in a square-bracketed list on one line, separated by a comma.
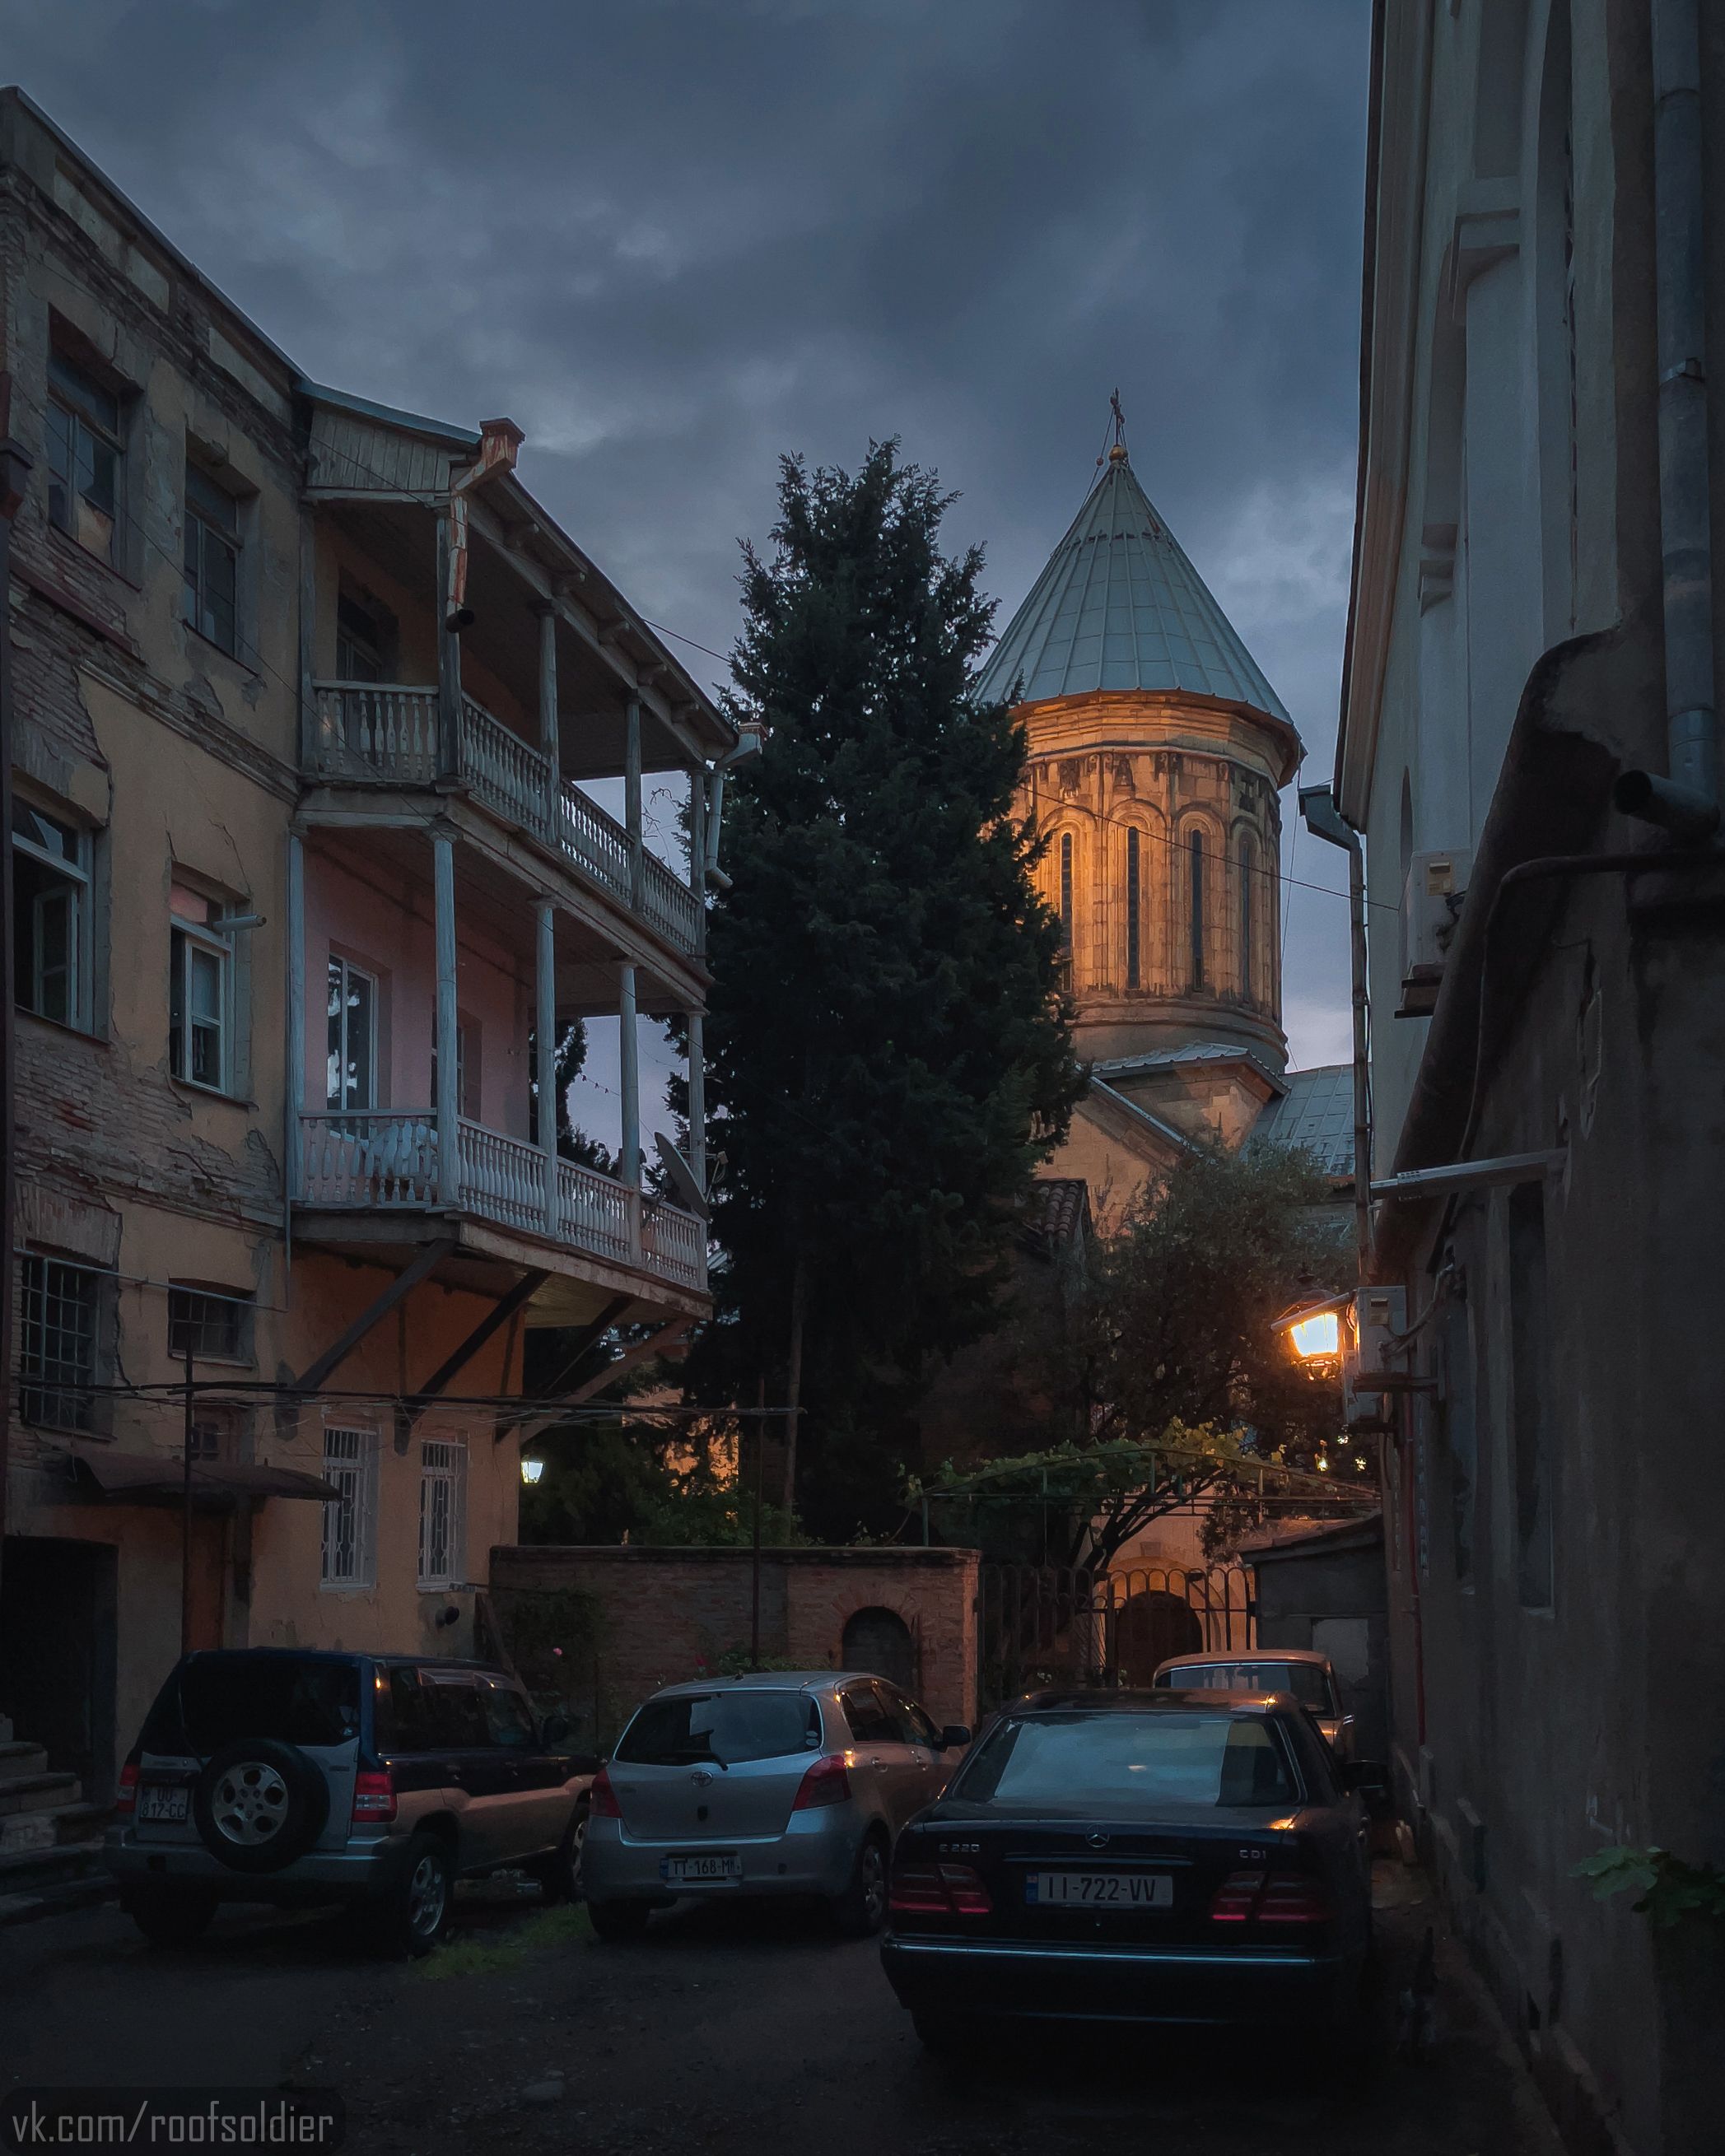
[(1324, 820), (747, 743), (14, 477), (1684, 803)]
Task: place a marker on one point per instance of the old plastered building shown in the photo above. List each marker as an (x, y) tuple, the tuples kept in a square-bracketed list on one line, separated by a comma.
[(1529, 743), (307, 883), (1157, 753)]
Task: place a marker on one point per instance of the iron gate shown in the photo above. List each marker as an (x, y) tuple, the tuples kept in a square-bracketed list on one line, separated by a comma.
[(1055, 1624)]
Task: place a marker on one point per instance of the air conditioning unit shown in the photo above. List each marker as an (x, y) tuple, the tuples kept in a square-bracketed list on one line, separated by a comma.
[(1431, 906), (1375, 1317)]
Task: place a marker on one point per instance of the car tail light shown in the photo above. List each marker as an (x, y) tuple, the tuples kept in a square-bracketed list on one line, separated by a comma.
[(966, 1890), (602, 1798), (374, 1796), (1236, 1897), (1295, 1901), (939, 1890), (826, 1782), (918, 1891), (125, 1798)]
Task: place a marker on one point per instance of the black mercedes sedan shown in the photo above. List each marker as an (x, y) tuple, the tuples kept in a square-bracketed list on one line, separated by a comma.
[(1195, 1857)]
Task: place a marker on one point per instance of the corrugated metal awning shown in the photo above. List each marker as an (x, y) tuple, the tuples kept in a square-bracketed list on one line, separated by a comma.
[(147, 1476)]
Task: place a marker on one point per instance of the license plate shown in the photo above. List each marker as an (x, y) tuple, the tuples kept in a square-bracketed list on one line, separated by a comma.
[(164, 1801), (1099, 1890), (716, 1870)]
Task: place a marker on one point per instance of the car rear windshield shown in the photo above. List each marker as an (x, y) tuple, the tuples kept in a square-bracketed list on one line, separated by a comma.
[(725, 1726), (1306, 1680), (1087, 1757), (214, 1700)]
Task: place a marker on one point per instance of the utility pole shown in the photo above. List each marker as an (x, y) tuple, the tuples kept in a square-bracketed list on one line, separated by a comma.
[(14, 477), (1324, 820), (188, 1438)]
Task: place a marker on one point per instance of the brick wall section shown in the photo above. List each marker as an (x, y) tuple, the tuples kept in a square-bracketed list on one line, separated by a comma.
[(666, 1612)]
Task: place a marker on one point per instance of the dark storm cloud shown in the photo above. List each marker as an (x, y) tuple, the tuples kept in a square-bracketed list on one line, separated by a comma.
[(673, 239)]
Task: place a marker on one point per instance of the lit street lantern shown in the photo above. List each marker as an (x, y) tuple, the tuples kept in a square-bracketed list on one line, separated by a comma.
[(531, 1470)]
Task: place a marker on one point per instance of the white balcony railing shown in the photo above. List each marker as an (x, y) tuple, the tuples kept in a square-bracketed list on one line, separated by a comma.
[(387, 732), (384, 1159)]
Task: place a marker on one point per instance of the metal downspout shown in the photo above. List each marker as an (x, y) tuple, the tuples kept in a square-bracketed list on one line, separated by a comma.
[(1680, 282)]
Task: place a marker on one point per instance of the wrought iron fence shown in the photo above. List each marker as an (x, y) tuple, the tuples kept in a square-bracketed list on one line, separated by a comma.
[(1044, 1624)]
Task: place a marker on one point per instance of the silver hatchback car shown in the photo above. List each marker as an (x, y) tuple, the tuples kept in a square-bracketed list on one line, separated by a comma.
[(786, 1783)]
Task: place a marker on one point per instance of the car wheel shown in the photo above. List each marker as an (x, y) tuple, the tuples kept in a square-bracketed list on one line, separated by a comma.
[(860, 1909), (415, 1914), (947, 2035), (259, 1804), (172, 1920), (560, 1876), (616, 1921)]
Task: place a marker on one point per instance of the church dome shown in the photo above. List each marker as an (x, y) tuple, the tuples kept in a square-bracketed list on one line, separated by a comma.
[(1156, 752)]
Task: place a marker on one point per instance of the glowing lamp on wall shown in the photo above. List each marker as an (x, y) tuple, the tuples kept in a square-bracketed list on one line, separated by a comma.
[(531, 1470), (1321, 1335)]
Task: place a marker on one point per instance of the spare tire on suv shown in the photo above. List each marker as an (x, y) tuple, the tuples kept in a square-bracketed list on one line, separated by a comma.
[(259, 1804)]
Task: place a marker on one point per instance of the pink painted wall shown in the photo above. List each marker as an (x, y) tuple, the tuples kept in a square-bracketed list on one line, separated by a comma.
[(369, 917)]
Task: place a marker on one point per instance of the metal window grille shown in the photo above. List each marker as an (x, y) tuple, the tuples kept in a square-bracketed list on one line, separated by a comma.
[(1132, 903), (212, 561), (208, 1325), (443, 1512), (349, 1467), (61, 1309)]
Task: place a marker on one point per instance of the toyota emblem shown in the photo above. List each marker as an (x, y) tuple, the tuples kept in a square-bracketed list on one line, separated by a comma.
[(700, 1778), (1096, 1839)]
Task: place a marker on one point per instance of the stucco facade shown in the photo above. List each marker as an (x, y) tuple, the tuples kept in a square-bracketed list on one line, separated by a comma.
[(307, 888), (1522, 636)]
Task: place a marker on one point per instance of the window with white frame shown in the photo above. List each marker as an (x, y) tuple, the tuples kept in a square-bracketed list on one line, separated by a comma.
[(443, 1512), (86, 456), (200, 992), (62, 1307), (349, 1467), (351, 1081), (212, 560), (50, 870)]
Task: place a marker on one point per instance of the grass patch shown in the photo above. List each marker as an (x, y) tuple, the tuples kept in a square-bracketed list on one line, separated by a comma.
[(486, 1956)]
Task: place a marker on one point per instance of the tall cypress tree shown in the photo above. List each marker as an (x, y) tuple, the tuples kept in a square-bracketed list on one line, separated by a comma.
[(888, 1055)]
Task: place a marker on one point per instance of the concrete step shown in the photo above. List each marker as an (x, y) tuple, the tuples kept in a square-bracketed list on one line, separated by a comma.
[(59, 1898), (49, 1826), (35, 1793), (17, 1758), (31, 1871)]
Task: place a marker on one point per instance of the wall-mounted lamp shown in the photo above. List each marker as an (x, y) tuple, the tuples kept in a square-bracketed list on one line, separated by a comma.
[(531, 1470)]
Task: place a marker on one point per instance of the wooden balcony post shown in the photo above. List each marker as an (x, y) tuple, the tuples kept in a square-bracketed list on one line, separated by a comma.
[(296, 1087), (632, 801), (448, 1103), (628, 1084), (449, 661), (548, 724), (545, 1052), (697, 1096)]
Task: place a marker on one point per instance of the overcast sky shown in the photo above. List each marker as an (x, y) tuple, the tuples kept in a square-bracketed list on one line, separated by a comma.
[(673, 238)]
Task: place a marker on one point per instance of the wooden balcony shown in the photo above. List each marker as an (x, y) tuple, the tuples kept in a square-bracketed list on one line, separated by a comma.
[(388, 1164), (387, 733)]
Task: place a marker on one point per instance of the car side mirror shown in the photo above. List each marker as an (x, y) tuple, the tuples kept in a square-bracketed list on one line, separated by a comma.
[(955, 1737), (558, 1730)]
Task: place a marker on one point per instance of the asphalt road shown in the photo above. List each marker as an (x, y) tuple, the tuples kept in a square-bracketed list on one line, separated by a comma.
[(728, 2029)]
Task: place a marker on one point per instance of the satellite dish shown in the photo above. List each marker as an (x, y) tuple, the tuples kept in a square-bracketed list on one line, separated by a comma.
[(681, 1174)]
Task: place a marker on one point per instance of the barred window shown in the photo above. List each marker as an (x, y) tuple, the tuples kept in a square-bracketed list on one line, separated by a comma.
[(349, 1467), (60, 1337), (443, 1513), (210, 1324)]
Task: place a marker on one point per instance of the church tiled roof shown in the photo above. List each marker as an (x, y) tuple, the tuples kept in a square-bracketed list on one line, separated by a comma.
[(1316, 1114), (1120, 607)]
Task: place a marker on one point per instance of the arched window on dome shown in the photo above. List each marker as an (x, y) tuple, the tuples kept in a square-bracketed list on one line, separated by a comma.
[(1195, 906), (1134, 886), (1247, 898)]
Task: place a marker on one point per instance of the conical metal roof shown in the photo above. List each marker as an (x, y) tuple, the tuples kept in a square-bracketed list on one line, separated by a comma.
[(1120, 607)]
